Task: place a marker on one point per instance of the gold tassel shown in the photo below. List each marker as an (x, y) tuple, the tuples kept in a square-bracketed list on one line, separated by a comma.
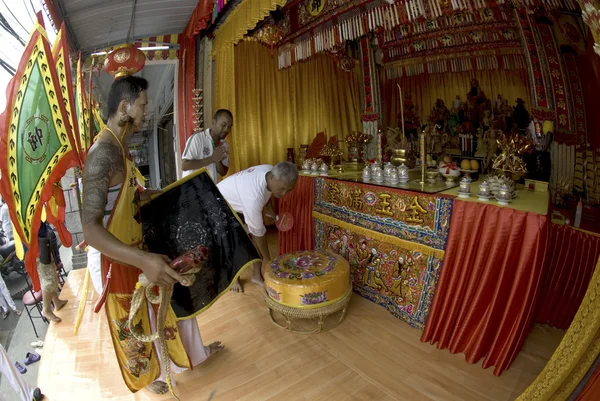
[(82, 301)]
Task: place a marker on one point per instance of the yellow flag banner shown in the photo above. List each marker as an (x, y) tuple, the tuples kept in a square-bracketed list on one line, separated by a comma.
[(36, 144)]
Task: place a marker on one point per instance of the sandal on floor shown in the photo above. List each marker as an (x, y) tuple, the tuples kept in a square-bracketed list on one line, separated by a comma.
[(37, 395), (31, 358), (37, 344), (20, 368)]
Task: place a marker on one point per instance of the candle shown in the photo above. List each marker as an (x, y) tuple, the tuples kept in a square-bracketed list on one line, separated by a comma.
[(423, 157), (401, 108), (379, 150)]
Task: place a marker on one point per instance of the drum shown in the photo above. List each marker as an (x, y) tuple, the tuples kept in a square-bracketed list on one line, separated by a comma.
[(308, 291)]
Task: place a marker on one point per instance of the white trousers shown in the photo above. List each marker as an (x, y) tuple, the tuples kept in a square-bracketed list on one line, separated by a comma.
[(192, 343), (10, 372), (6, 300)]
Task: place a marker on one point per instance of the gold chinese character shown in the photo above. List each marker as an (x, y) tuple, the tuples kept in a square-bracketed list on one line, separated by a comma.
[(561, 103), (560, 90), (416, 210), (333, 193), (385, 205), (563, 119), (357, 202)]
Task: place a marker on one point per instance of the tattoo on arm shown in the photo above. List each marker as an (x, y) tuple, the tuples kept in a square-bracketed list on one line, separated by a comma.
[(101, 165)]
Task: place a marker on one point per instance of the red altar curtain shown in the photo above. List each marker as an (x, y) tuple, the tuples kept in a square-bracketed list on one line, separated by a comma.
[(299, 203), (572, 256), (200, 18), (425, 89), (591, 391), (484, 301)]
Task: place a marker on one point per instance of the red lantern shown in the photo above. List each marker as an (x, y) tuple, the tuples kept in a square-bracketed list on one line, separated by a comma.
[(124, 60)]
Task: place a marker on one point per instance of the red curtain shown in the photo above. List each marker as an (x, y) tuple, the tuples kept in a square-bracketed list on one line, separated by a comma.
[(591, 391), (199, 20), (590, 78), (572, 258), (299, 203), (485, 298)]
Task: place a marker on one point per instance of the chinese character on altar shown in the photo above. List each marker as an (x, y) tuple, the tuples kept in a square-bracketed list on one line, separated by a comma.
[(357, 202), (386, 207), (416, 210), (333, 193)]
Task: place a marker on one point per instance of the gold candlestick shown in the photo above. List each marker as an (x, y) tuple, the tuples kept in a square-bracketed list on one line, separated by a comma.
[(423, 158)]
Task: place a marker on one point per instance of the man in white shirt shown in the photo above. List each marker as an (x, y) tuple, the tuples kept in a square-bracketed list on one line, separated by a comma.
[(248, 192), (5, 218), (208, 148)]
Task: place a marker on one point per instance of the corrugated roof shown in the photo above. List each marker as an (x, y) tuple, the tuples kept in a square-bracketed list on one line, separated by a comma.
[(96, 24)]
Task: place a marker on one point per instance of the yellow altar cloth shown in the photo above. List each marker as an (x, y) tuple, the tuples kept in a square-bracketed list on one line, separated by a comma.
[(526, 201)]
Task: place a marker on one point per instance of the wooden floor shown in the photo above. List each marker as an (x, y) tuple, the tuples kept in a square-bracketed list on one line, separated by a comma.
[(371, 356)]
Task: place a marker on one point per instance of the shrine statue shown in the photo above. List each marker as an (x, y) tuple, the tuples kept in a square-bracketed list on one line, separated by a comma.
[(490, 145), (477, 104), (486, 122), (475, 91), (499, 105), (521, 117), (412, 121), (439, 114), (456, 103)]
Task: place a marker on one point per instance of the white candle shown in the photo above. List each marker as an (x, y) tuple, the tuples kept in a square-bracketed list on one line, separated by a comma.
[(401, 108)]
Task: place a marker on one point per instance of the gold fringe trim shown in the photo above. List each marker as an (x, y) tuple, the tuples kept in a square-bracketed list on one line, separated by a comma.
[(413, 246), (82, 301), (575, 354)]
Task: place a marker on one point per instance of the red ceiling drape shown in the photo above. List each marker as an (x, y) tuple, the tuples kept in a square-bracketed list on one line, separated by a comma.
[(199, 20)]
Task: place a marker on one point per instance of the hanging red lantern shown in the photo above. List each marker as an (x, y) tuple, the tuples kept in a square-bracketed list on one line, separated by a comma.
[(124, 60)]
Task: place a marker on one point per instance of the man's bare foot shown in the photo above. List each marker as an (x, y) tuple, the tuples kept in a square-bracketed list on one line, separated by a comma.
[(237, 286), (258, 280), (158, 387), (59, 304), (213, 349), (51, 316), (257, 275)]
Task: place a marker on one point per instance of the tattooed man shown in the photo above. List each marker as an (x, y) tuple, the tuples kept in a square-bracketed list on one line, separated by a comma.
[(112, 229)]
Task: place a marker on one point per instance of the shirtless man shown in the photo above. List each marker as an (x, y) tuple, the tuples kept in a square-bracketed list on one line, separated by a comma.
[(248, 192), (114, 234)]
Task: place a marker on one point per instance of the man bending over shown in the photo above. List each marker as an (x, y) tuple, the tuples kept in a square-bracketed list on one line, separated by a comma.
[(248, 192)]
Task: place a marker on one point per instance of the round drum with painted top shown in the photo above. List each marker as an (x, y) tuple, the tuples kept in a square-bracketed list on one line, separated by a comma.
[(310, 285)]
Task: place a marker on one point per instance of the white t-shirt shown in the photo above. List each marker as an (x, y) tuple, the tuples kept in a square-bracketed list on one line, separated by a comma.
[(247, 194), (6, 224), (200, 146)]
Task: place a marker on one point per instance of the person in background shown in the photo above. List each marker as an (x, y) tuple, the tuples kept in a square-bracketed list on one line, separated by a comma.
[(248, 192), (6, 302), (5, 218), (46, 267), (208, 148), (23, 390)]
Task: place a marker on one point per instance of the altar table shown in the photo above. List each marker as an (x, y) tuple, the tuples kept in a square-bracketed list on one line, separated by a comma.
[(473, 274)]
